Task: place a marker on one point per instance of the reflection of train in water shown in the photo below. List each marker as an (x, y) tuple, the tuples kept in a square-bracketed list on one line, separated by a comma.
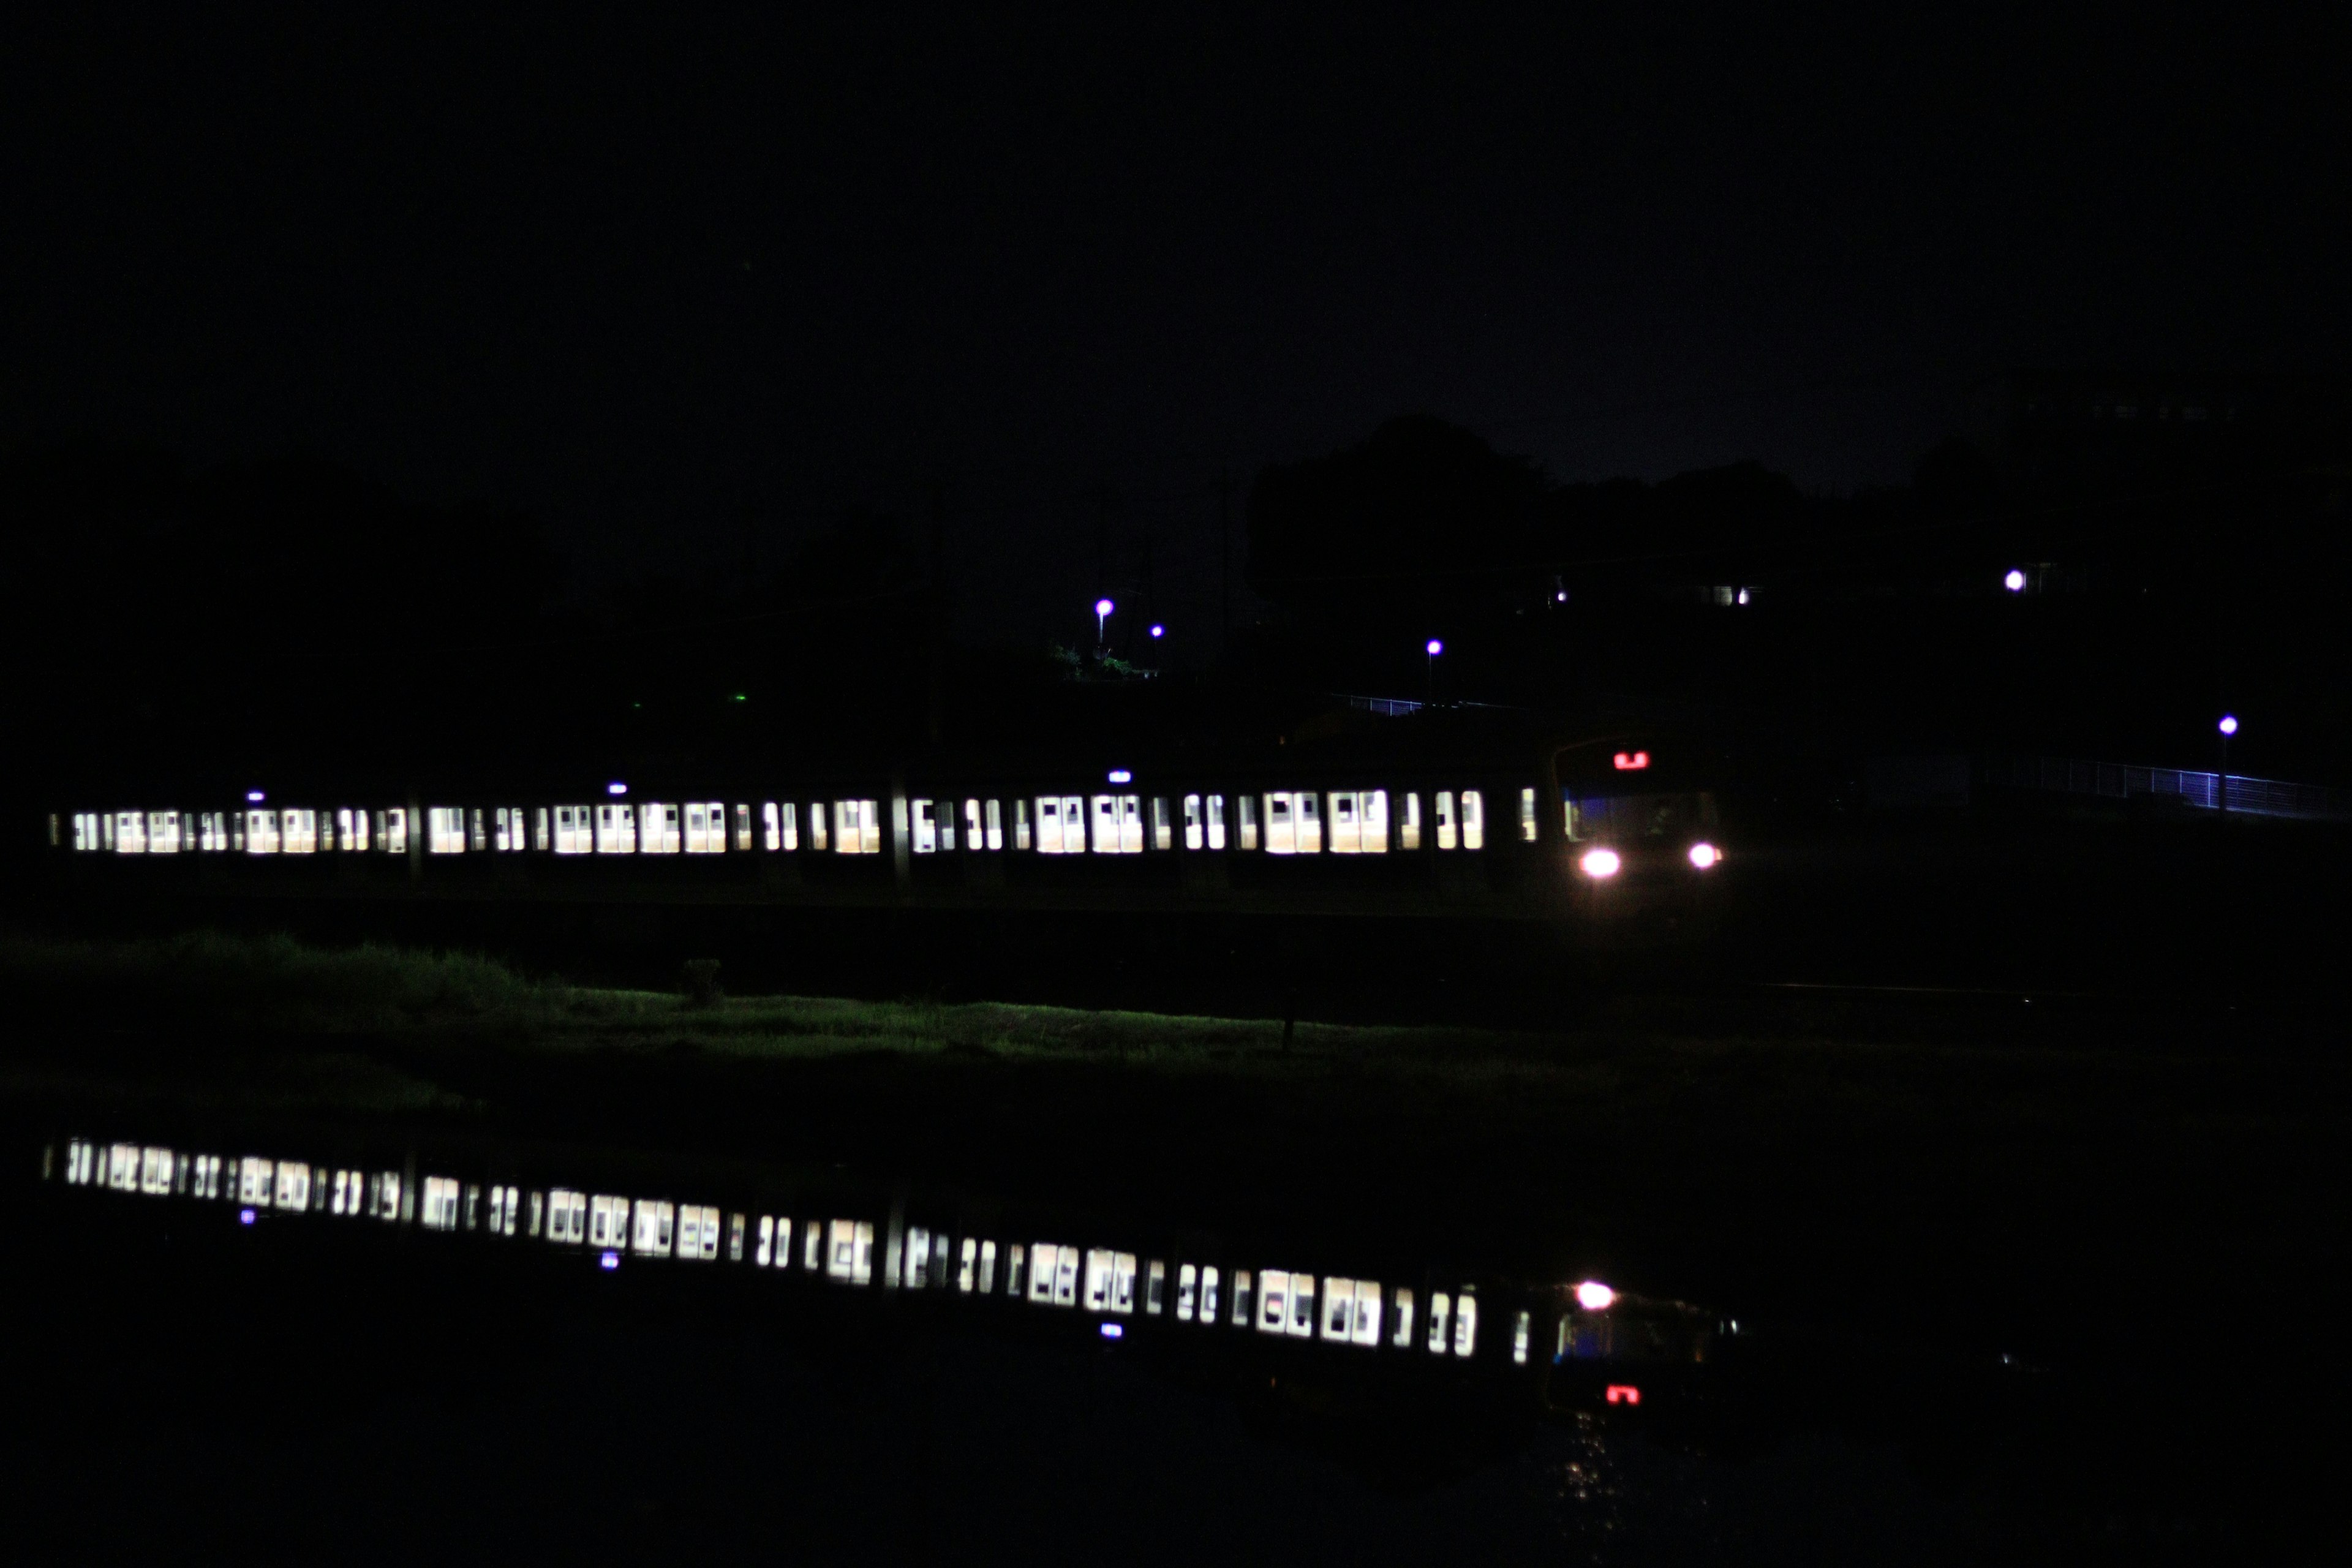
[(1607, 828), (1564, 1345)]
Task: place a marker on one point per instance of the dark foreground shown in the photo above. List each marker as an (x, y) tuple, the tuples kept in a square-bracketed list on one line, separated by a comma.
[(2052, 1283)]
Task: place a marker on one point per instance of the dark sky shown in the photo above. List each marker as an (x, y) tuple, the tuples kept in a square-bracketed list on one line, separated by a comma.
[(678, 283)]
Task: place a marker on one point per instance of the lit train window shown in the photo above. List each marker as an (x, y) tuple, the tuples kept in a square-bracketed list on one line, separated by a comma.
[(996, 819), (130, 832), (1273, 1300), (927, 830), (657, 829), (987, 1268), (300, 832), (575, 830), (207, 1180), (85, 831), (540, 839), (771, 827), (1474, 831), (1439, 1306), (1155, 1287), (293, 1185), (1209, 1295), (1049, 824), (1163, 833), (1098, 1272), (967, 1264), (1021, 824), (1065, 1278), (768, 1251), (1187, 1288), (445, 830), (1339, 1308), (393, 1197), (697, 1232), (506, 1209), (608, 1221), (1192, 836), (1216, 822), (948, 825), (261, 832), (1528, 816), (567, 1216), (1366, 1330), (617, 829), (1122, 1283), (1447, 838), (441, 1195), (253, 1182), (816, 825), (939, 1259), (212, 832), (743, 827), (706, 828), (653, 1227), (916, 1271), (537, 1214), (1347, 830), (1302, 1305), (791, 815), (857, 828), (478, 836), (506, 830), (1360, 822), (163, 833), (1015, 1261), (812, 1246), (345, 1198), (1403, 1338), (1118, 822), (1043, 1259), (1519, 1336), (1465, 1324), (1281, 828), (974, 835), (849, 1251), (156, 1171), (1247, 806), (394, 836)]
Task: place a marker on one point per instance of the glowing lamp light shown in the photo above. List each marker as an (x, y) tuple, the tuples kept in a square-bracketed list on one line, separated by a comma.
[(1120, 775), (1743, 595), (2228, 725), (1630, 762), (1594, 1296), (609, 1260), (1622, 1394), (256, 796), (2014, 581), (1104, 606), (616, 788), (1703, 855), (1600, 864), (1435, 648), (244, 1217), (1113, 1332), (1157, 630)]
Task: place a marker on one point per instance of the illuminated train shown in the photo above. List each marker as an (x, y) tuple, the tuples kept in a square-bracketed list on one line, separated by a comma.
[(1562, 1346), (1604, 830)]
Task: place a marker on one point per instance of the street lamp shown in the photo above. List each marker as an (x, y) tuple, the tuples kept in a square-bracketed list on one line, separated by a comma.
[(1103, 607), (2014, 581), (1158, 631), (2229, 727), (1433, 648)]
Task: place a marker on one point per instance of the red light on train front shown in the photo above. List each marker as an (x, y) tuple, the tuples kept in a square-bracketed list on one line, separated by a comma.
[(1622, 1394), (1630, 762)]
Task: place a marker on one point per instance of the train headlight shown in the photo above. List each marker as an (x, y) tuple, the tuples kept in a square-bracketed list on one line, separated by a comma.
[(1594, 1296), (1703, 855), (1599, 864)]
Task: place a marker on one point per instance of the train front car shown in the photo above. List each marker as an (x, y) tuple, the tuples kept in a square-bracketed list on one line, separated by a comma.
[(1641, 842)]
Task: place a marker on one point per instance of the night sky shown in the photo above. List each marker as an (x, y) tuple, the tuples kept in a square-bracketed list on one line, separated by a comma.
[(686, 288)]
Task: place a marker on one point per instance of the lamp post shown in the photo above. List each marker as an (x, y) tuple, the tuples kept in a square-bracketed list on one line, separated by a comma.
[(1103, 607), (2229, 727), (1432, 649)]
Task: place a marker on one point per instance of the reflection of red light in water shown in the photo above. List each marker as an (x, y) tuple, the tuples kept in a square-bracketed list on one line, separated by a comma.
[(1623, 1393)]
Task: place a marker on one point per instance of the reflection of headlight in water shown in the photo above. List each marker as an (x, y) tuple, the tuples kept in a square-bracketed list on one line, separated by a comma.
[(1597, 864), (1703, 855)]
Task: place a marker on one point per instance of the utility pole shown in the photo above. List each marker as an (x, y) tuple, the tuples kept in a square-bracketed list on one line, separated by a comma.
[(935, 706)]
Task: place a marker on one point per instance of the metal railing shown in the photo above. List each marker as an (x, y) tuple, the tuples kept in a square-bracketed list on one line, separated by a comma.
[(2121, 781)]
